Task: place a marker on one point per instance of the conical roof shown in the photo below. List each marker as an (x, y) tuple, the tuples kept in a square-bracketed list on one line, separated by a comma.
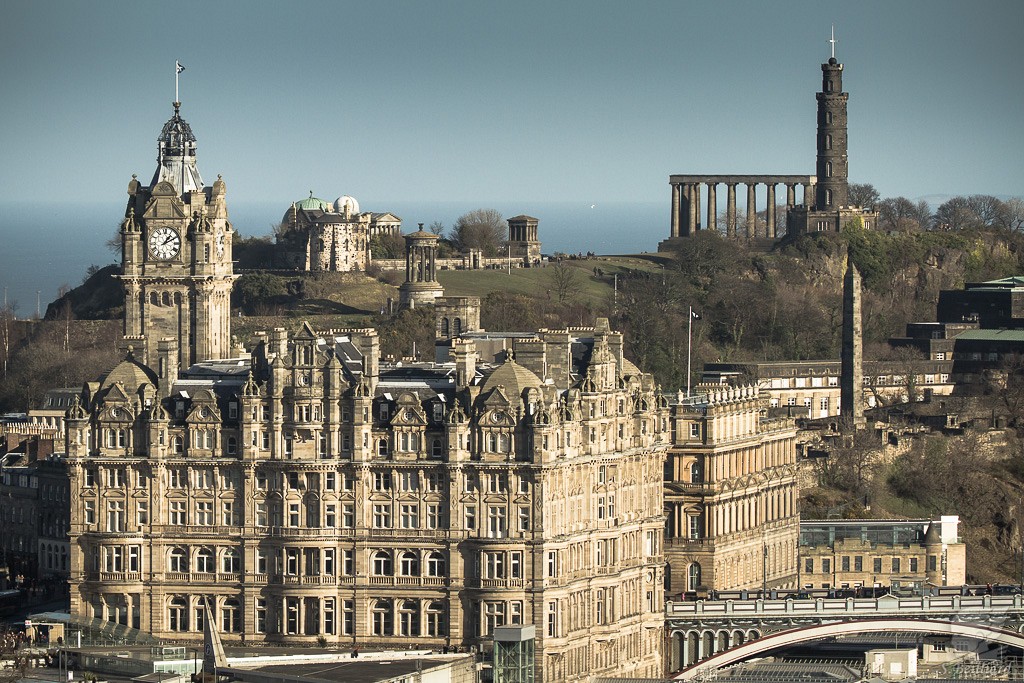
[(514, 377), (176, 155)]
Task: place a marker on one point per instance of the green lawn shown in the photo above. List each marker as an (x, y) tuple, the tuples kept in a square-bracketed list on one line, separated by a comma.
[(538, 281)]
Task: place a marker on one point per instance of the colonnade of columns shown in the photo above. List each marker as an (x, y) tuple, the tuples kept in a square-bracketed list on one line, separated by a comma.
[(686, 202)]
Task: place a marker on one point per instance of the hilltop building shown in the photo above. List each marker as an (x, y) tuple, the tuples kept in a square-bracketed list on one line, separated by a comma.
[(310, 490), (825, 195), (319, 236), (831, 210), (730, 494)]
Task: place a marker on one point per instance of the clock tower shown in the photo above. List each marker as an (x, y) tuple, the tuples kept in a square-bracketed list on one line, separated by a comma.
[(176, 256)]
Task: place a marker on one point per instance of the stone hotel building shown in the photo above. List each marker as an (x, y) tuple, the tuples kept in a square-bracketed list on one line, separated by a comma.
[(308, 489)]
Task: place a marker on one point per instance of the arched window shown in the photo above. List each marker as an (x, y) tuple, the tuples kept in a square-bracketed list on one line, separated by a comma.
[(178, 560), (828, 169), (693, 577), (382, 563), (504, 443), (437, 625), (697, 473), (458, 326), (409, 618), (383, 619), (177, 445), (231, 562), (828, 142), (828, 197), (436, 448), (167, 298), (204, 561), (382, 448), (410, 563), (177, 614), (436, 566), (232, 446), (154, 299), (828, 117), (229, 616), (444, 327)]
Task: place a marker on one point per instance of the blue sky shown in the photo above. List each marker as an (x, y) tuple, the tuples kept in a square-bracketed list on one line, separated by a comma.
[(504, 102)]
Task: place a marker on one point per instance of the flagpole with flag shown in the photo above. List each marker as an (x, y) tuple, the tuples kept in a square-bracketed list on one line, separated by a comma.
[(689, 343), (178, 68)]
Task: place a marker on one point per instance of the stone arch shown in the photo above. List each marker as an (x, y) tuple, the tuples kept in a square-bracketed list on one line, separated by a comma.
[(756, 646)]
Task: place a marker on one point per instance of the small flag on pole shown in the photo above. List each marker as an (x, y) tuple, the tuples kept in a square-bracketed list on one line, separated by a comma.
[(179, 67), (694, 314)]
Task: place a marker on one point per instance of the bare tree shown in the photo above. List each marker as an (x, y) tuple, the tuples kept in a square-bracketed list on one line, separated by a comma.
[(1015, 213), (437, 227), (6, 317), (482, 229), (863, 195), (565, 281)]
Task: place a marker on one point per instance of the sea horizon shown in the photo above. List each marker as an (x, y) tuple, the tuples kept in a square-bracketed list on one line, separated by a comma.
[(46, 248)]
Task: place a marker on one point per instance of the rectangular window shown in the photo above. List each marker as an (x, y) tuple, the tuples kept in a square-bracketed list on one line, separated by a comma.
[(261, 514), (115, 515), (933, 562), (228, 513), (177, 513), (142, 513), (876, 565), (293, 514), (331, 515), (515, 564), (470, 518), (809, 565), (433, 516), (524, 518), (826, 565), (261, 615), (845, 563), (90, 512), (896, 565), (381, 481), (348, 515), (348, 617), (858, 564), (330, 481), (494, 565), (204, 513), (410, 516), (496, 527), (410, 481), (552, 564), (694, 430), (348, 559), (329, 616), (913, 565), (382, 516)]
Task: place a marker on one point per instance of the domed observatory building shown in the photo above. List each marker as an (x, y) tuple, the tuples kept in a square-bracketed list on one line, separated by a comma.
[(331, 236)]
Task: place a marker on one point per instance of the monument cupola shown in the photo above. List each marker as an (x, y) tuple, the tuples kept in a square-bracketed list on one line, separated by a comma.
[(176, 155)]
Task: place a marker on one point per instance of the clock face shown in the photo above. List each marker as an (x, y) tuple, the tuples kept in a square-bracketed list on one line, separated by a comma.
[(164, 243)]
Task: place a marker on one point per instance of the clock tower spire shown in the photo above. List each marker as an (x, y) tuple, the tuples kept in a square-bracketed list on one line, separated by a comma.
[(176, 256)]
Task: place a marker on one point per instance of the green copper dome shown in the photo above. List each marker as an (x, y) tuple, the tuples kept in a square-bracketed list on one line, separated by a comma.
[(312, 202)]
